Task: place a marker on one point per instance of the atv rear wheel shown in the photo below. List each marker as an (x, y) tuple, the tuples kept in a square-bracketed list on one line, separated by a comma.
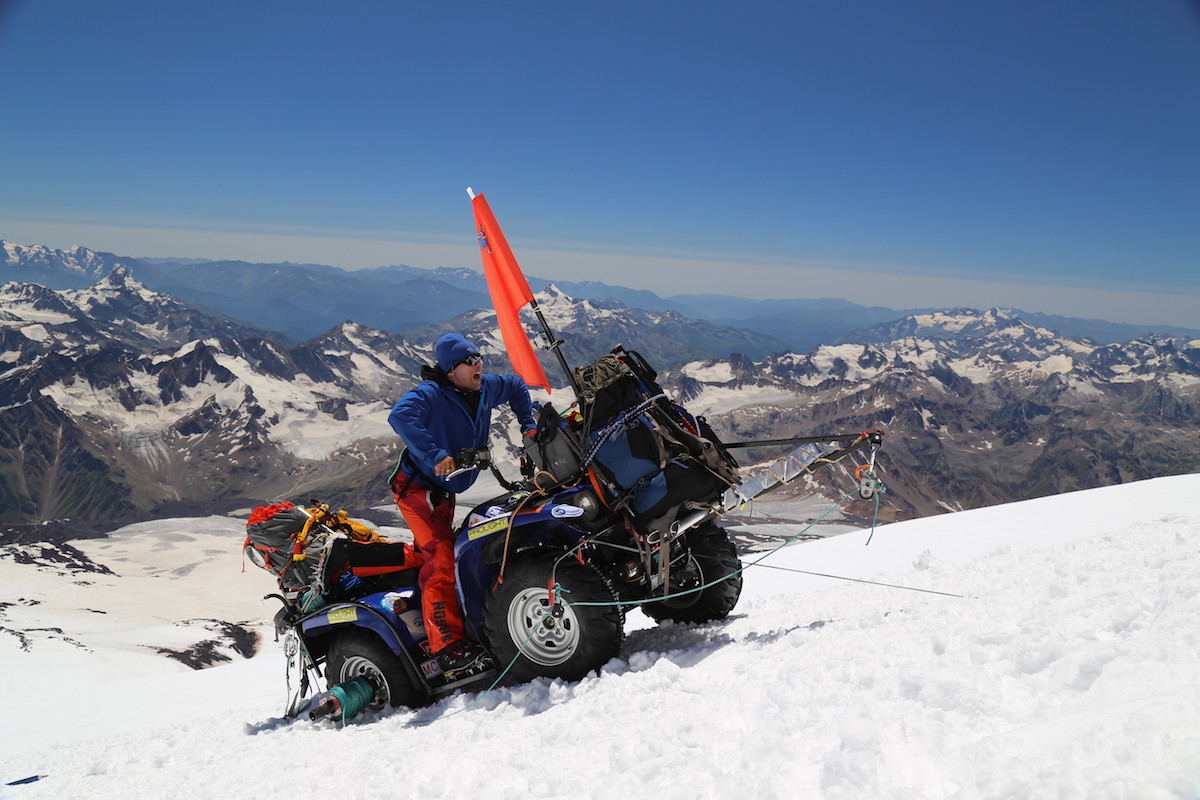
[(566, 641), (714, 560), (359, 653)]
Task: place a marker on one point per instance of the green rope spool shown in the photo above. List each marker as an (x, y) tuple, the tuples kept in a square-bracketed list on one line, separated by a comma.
[(345, 700), (354, 695)]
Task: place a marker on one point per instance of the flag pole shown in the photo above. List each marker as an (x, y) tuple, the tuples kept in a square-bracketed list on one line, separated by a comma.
[(556, 345), (552, 342)]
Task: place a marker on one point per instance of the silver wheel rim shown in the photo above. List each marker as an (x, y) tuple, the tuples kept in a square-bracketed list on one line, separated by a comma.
[(359, 667), (552, 639)]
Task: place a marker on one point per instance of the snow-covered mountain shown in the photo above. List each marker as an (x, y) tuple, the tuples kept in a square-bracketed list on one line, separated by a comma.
[(301, 301), (1040, 649), (116, 308), (980, 407), (400, 298), (74, 267), (115, 399), (590, 329)]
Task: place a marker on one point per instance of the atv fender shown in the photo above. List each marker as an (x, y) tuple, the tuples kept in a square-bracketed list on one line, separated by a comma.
[(332, 619), (478, 556)]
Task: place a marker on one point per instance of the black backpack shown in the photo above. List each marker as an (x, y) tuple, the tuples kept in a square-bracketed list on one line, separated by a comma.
[(655, 458)]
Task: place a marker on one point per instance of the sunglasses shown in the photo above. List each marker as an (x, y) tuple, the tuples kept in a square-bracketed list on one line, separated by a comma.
[(472, 360)]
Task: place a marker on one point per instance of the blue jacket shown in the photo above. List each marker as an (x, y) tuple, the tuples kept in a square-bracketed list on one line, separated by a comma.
[(434, 422)]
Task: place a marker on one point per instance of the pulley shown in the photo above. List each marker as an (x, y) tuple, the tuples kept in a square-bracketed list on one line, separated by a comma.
[(868, 481)]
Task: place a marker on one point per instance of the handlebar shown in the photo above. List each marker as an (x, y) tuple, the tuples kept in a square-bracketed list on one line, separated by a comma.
[(471, 458)]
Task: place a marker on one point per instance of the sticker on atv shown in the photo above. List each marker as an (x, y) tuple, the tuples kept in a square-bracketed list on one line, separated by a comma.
[(487, 528), (565, 511), (348, 614)]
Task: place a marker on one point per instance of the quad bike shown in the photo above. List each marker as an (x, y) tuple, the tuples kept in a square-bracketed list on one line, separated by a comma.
[(617, 508)]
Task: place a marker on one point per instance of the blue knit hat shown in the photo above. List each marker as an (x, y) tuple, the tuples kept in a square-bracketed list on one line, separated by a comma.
[(451, 349)]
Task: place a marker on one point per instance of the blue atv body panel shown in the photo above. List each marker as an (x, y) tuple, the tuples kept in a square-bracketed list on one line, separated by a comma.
[(383, 613), (479, 548)]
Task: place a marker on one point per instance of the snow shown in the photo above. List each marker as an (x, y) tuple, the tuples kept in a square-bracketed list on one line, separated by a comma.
[(973, 370), (945, 320), (1059, 364), (1062, 659), (36, 333), (23, 313), (117, 284), (921, 353), (307, 433), (299, 427), (717, 372), (179, 353), (160, 568), (827, 358), (1084, 388), (150, 415), (714, 400)]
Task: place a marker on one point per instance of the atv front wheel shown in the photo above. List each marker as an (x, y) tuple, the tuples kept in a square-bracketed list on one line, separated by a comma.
[(567, 640), (713, 560), (359, 653)]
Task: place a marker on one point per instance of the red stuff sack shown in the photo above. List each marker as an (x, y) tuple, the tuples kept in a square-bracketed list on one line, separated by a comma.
[(271, 544)]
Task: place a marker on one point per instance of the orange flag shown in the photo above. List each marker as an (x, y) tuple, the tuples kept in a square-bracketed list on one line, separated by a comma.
[(510, 293)]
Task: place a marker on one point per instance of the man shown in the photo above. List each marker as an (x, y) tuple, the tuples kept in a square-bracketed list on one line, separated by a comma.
[(450, 410)]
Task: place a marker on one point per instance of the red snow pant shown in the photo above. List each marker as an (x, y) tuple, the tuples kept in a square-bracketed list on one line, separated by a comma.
[(430, 516)]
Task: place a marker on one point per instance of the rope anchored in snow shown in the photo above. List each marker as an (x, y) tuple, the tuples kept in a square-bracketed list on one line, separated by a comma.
[(863, 580), (866, 477)]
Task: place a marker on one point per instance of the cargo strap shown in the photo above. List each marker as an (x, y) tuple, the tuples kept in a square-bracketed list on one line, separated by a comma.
[(607, 431)]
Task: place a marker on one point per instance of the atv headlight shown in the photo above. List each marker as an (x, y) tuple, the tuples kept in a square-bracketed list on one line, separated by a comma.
[(588, 502)]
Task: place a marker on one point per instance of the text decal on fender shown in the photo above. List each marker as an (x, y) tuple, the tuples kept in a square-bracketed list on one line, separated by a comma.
[(487, 528), (343, 615)]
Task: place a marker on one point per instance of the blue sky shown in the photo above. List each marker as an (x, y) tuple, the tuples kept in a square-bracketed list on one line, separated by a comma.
[(1043, 154)]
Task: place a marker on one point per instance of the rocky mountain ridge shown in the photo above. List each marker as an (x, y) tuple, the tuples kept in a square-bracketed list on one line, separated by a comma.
[(74, 267), (300, 301), (115, 400), (979, 407), (295, 302), (589, 329)]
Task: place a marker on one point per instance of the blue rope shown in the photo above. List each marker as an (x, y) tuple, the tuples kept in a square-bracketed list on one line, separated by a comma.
[(607, 431)]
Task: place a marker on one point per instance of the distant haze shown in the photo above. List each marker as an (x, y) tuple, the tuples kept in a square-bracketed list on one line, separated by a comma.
[(666, 274)]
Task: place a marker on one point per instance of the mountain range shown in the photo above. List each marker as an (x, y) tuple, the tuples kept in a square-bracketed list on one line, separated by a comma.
[(979, 407), (300, 301), (120, 401)]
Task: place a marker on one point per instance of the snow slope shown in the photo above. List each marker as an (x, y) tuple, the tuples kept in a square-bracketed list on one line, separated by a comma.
[(1068, 667)]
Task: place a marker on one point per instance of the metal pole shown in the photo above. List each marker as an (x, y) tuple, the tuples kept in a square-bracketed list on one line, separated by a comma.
[(843, 437), (555, 344)]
